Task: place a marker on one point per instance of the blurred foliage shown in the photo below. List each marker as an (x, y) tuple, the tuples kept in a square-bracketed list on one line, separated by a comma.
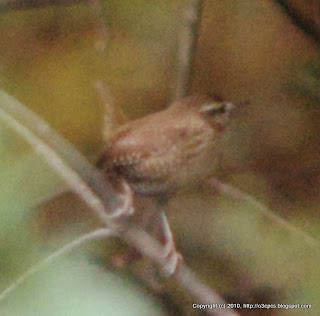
[(247, 50), (73, 287)]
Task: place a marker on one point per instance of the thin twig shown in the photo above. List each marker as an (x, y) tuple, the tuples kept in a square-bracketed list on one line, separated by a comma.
[(95, 235), (187, 45), (240, 195)]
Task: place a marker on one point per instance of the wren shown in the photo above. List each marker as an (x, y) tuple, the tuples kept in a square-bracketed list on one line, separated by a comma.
[(165, 151)]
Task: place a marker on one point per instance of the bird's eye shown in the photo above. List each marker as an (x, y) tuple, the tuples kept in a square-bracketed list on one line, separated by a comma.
[(213, 108)]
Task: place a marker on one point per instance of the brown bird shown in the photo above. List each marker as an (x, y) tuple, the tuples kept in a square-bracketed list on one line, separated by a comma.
[(165, 151)]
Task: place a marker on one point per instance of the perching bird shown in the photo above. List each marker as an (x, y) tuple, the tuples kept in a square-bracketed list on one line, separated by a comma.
[(165, 151)]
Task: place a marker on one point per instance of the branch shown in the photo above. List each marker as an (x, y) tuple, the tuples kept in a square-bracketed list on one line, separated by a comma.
[(187, 45)]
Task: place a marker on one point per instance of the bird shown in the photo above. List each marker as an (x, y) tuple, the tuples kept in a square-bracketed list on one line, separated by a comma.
[(165, 151)]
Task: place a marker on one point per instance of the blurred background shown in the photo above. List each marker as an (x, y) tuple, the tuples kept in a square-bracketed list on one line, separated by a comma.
[(265, 51)]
